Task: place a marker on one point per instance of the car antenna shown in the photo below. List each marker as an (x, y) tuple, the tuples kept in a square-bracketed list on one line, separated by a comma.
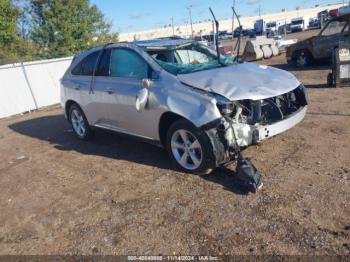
[(238, 44), (217, 35)]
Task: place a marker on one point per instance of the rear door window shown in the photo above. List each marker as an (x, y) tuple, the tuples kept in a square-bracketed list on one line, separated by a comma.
[(87, 66), (103, 68), (127, 63)]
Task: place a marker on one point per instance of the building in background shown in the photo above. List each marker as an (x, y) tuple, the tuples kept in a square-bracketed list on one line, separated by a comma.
[(247, 22)]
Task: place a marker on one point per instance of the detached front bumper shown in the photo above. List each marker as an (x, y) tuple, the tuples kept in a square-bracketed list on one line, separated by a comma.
[(264, 132), (226, 138), (248, 135)]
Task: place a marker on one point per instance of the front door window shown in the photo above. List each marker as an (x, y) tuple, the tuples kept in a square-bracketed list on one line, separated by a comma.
[(128, 64)]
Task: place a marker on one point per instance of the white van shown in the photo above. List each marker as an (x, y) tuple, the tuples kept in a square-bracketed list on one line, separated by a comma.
[(297, 24)]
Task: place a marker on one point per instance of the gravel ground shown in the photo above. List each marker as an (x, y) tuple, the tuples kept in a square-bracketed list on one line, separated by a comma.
[(115, 195)]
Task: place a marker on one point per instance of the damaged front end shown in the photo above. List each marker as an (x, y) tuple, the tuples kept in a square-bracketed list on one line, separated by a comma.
[(248, 122)]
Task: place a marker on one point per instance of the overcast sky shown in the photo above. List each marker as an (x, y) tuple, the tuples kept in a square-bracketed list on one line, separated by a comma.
[(137, 15)]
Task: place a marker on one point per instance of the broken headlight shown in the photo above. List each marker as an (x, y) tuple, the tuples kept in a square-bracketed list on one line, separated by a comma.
[(225, 106)]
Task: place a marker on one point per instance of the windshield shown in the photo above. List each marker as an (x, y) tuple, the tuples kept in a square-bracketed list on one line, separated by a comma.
[(299, 22), (335, 27), (189, 58)]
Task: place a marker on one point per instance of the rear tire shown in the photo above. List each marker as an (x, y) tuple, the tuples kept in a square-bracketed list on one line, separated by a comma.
[(330, 80), (302, 59), (190, 148), (79, 123)]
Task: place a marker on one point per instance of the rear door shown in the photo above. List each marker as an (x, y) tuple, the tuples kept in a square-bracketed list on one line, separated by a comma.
[(79, 83), (103, 89)]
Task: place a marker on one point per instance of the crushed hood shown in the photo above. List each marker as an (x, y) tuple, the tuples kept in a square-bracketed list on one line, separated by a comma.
[(243, 81)]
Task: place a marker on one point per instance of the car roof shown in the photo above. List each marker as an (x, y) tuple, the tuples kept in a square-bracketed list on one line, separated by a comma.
[(155, 44), (297, 18), (163, 43)]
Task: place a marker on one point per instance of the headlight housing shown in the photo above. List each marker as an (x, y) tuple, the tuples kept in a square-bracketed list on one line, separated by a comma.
[(225, 106)]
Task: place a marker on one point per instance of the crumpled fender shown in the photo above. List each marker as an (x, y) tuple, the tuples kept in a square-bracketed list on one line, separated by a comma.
[(191, 104)]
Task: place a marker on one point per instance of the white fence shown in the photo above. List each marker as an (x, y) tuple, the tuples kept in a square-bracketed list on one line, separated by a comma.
[(29, 86)]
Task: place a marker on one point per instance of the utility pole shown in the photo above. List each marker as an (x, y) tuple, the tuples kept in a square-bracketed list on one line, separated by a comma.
[(233, 20), (214, 35), (172, 23), (260, 11), (285, 29), (186, 23), (190, 12)]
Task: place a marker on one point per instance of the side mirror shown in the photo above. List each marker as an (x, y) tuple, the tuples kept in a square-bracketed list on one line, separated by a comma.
[(142, 96), (146, 83), (142, 99)]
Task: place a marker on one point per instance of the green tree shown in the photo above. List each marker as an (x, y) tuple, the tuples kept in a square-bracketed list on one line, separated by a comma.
[(13, 46), (65, 27), (8, 22), (8, 31)]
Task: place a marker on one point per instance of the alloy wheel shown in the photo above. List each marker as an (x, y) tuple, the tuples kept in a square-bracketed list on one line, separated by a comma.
[(186, 149), (302, 60), (78, 122)]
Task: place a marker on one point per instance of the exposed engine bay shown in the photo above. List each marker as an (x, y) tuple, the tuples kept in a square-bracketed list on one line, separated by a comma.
[(271, 110), (249, 122)]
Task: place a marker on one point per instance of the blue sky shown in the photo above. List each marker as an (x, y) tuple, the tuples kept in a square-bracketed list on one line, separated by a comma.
[(136, 15)]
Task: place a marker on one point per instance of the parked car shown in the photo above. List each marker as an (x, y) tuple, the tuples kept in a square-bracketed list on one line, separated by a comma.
[(209, 38), (320, 47), (238, 32), (224, 35), (282, 29), (344, 10), (252, 33), (334, 12), (323, 14), (297, 25), (179, 95), (314, 23), (271, 28), (247, 32)]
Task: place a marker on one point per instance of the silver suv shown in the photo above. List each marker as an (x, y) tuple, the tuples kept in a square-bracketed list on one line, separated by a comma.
[(180, 95)]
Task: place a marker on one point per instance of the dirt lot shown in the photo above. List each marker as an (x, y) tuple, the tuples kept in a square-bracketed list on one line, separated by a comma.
[(115, 195)]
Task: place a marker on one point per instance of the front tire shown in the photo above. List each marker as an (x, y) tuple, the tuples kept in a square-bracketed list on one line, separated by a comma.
[(190, 148), (79, 123)]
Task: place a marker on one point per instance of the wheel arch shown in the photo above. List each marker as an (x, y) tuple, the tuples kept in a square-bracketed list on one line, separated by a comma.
[(166, 120), (67, 107)]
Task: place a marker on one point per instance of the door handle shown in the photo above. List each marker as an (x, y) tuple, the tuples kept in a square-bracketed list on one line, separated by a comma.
[(77, 87), (110, 91)]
